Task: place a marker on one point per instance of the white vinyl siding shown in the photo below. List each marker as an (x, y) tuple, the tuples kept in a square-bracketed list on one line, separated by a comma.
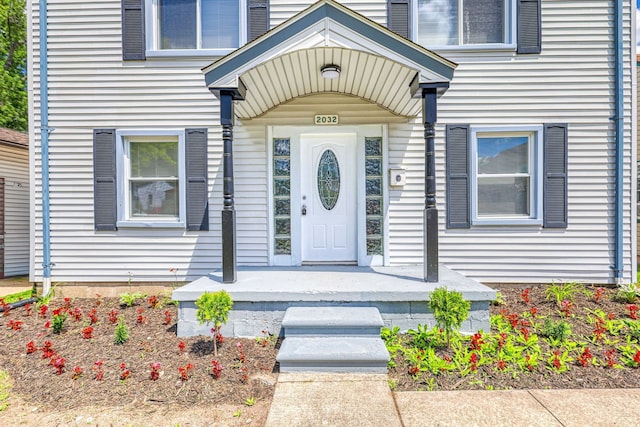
[(90, 87), (281, 10), (14, 168)]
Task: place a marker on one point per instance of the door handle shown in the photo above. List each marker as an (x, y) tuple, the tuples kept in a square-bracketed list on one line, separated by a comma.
[(304, 209)]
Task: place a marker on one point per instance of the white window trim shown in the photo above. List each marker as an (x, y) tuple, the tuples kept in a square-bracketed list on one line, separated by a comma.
[(509, 28), (152, 36), (122, 173), (536, 175)]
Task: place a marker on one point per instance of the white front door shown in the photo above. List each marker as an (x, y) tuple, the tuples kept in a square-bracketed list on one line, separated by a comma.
[(328, 175)]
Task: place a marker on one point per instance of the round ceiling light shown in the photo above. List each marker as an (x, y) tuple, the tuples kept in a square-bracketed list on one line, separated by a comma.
[(330, 71)]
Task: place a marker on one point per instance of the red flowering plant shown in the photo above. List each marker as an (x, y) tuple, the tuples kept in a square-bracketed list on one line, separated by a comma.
[(6, 308), (113, 317), (598, 294), (154, 302), (566, 308), (216, 369), (47, 350), (76, 314), (43, 310), (14, 324), (585, 358), (58, 364), (77, 372), (185, 371), (87, 332), (610, 358), (93, 316), (99, 372), (167, 317), (633, 311), (141, 318), (31, 347), (155, 371), (124, 372)]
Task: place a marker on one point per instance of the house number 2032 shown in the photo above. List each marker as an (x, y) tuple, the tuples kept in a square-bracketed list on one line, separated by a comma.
[(326, 119)]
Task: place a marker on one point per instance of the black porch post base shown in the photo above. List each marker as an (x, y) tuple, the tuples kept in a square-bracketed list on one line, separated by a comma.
[(431, 245), (229, 274)]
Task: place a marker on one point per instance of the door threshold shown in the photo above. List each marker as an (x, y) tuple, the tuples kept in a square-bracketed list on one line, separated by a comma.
[(304, 263)]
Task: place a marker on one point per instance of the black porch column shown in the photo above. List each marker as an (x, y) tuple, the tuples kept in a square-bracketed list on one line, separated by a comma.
[(227, 95), (429, 117), (228, 209)]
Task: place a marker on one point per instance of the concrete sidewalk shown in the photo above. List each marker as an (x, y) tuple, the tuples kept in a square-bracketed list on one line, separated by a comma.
[(311, 399)]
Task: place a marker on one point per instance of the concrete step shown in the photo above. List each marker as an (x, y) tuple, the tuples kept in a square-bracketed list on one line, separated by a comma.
[(331, 321), (333, 354)]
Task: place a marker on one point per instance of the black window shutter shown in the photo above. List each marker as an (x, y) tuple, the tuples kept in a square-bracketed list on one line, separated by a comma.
[(529, 26), (133, 41), (196, 171), (398, 17), (458, 195), (555, 175), (258, 21), (104, 179)]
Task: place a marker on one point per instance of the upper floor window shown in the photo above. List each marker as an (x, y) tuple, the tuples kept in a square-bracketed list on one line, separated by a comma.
[(212, 25), (443, 23)]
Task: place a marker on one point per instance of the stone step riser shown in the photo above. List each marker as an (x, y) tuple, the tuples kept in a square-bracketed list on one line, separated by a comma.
[(338, 368), (327, 332)]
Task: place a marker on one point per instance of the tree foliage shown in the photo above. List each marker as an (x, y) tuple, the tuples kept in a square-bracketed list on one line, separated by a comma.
[(13, 65)]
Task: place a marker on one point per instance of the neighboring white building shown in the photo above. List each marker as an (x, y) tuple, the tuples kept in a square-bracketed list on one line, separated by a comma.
[(332, 170), (14, 203)]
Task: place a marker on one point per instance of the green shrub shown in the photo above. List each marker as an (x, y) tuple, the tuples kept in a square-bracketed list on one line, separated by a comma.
[(121, 334), (556, 331), (627, 293), (450, 309), (130, 299), (214, 307), (561, 292)]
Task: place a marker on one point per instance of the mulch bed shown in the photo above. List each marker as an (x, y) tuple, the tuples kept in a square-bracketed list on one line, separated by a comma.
[(151, 341), (154, 340)]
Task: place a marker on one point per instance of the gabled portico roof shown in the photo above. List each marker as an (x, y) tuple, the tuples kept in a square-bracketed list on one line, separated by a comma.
[(376, 64)]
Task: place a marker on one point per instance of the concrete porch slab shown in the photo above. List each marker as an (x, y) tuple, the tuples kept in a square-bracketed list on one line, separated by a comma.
[(261, 295), (326, 283)]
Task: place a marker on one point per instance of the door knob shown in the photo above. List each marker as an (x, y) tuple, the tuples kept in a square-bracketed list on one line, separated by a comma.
[(304, 209)]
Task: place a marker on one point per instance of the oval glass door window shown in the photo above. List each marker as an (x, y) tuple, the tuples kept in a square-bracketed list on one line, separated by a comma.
[(328, 179)]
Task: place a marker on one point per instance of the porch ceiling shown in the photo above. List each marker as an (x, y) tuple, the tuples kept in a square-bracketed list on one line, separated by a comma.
[(376, 64), (294, 74)]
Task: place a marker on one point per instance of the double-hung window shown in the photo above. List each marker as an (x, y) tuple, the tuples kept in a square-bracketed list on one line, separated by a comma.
[(506, 175), (449, 23), (215, 26), (151, 185)]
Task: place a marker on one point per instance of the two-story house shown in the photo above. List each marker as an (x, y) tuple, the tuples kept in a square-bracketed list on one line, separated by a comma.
[(495, 137)]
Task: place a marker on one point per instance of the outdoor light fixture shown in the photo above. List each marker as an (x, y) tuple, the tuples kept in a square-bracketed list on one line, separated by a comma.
[(330, 71)]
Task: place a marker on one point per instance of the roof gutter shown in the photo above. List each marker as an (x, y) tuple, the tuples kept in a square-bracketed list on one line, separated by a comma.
[(618, 267), (44, 140)]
